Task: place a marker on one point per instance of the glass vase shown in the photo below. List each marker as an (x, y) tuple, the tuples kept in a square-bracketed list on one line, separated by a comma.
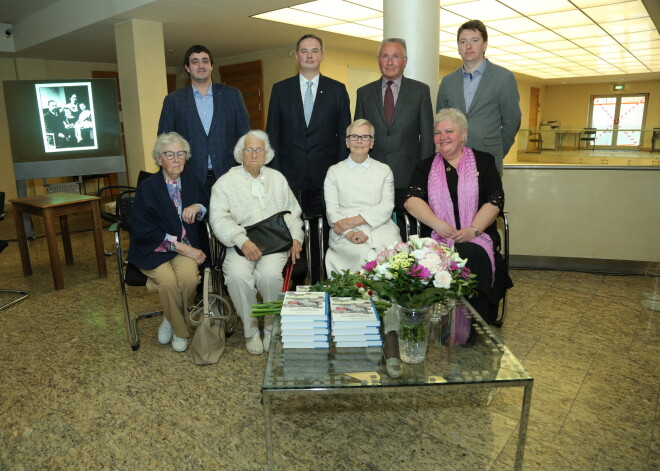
[(414, 326)]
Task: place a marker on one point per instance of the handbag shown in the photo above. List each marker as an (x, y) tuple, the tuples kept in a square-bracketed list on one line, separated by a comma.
[(270, 235), (208, 342)]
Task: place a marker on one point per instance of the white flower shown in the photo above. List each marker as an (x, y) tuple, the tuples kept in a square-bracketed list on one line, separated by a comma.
[(442, 279), (432, 261), (457, 258), (383, 272)]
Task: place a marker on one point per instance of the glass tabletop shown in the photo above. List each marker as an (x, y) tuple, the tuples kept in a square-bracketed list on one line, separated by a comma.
[(462, 350)]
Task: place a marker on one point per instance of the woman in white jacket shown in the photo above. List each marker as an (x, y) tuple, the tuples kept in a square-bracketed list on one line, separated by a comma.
[(359, 200), (247, 194)]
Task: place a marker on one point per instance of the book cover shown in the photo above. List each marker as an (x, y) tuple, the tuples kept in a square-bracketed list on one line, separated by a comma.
[(353, 312), (305, 304)]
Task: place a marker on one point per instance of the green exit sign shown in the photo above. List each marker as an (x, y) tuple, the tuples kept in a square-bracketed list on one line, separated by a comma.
[(619, 86)]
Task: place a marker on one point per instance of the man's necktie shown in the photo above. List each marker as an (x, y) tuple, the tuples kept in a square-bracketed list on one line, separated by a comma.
[(388, 103), (308, 102)]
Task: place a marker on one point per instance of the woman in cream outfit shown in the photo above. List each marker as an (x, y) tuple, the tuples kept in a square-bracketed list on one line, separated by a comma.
[(247, 194), (359, 200)]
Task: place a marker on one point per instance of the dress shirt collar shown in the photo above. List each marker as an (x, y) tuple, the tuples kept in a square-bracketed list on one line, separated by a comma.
[(478, 71), (303, 81), (352, 163), (209, 91), (397, 82)]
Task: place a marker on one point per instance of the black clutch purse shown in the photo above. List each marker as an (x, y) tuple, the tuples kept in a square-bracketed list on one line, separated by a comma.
[(270, 235)]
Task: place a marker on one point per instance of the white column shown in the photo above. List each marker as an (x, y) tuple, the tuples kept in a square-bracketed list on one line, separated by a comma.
[(418, 22)]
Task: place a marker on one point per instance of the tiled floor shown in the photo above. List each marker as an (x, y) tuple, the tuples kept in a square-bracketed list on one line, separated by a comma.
[(73, 396)]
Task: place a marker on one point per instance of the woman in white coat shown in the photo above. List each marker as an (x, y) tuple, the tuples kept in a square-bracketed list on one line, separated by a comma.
[(247, 194), (359, 200)]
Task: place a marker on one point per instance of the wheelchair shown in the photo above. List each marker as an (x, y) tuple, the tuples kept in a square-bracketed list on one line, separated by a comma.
[(130, 275)]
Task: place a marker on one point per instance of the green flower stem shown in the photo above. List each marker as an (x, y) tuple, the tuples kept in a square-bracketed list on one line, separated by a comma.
[(266, 309)]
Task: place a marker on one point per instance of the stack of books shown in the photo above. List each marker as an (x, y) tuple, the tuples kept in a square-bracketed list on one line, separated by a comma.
[(355, 323), (304, 320)]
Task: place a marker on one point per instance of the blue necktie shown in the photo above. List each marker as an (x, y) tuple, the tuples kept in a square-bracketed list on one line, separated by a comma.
[(308, 102)]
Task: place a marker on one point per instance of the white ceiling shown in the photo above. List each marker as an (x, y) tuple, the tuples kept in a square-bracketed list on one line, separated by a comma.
[(83, 30)]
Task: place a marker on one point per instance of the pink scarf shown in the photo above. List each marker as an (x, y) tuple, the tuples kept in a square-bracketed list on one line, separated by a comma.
[(468, 199)]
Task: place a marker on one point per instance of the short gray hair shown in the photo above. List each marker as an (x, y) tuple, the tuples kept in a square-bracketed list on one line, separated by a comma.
[(165, 140), (393, 40), (361, 122), (256, 133), (455, 117)]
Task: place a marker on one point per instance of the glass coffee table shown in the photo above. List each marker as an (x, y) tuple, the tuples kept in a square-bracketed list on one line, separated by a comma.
[(462, 352)]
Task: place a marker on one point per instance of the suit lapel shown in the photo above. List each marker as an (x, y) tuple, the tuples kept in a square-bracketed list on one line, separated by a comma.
[(218, 114), (296, 99), (192, 109), (404, 94), (319, 99), (376, 92)]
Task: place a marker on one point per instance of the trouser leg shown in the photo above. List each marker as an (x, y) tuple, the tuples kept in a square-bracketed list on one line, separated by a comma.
[(268, 280), (239, 278), (174, 281)]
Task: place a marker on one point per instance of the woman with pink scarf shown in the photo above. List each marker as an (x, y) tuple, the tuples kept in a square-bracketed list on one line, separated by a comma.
[(458, 195)]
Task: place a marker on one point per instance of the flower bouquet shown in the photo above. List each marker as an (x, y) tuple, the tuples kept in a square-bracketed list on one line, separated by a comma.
[(416, 275), (419, 273)]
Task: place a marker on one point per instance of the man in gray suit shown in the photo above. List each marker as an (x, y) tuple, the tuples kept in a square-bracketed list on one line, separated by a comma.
[(401, 112), (486, 93)]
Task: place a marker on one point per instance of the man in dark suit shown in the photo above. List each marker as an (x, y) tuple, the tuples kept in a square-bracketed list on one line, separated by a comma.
[(307, 119), (400, 110), (486, 93), (210, 116)]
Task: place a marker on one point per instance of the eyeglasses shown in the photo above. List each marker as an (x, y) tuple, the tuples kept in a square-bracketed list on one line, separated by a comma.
[(182, 154), (256, 150), (394, 57), (358, 137)]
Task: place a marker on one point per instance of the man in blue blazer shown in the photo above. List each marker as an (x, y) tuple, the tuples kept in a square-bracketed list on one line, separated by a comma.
[(210, 116), (307, 119), (404, 135), (486, 93)]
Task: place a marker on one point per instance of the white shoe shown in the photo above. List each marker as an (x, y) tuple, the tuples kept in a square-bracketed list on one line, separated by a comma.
[(165, 332), (266, 342), (254, 345), (179, 344)]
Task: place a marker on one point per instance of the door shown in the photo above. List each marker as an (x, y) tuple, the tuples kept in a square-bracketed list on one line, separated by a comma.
[(248, 78), (619, 120)]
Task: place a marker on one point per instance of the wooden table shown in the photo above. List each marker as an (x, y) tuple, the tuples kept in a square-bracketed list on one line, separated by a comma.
[(49, 206)]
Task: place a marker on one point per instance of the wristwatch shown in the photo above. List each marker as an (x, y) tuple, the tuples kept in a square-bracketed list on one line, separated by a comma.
[(476, 231)]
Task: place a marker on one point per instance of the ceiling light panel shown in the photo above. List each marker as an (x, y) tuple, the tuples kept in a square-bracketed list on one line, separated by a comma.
[(449, 20), (562, 19), (545, 39), (353, 29), (515, 25), (596, 3), (527, 7), (297, 17), (617, 12), (629, 26), (489, 10), (346, 11)]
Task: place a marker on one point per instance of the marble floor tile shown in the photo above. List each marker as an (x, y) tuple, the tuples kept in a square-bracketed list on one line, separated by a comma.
[(548, 451), (550, 406)]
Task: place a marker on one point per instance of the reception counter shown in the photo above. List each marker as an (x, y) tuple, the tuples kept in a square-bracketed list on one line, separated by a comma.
[(599, 215)]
